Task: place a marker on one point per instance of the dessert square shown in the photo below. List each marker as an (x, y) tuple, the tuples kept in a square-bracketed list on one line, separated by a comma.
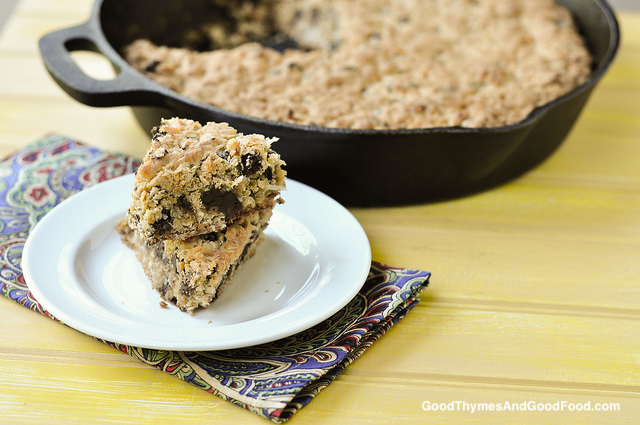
[(197, 179), (192, 273)]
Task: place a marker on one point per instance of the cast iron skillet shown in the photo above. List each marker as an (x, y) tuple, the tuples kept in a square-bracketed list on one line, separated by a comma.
[(356, 167)]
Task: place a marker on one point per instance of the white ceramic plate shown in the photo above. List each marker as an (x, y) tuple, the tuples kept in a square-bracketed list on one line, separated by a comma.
[(313, 261)]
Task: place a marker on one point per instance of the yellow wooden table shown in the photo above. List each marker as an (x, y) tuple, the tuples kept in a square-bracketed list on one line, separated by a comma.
[(534, 299)]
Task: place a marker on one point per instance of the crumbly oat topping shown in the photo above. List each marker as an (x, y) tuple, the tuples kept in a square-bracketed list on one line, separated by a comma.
[(381, 64)]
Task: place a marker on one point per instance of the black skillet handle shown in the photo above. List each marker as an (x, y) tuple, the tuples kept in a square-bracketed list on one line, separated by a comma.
[(127, 88)]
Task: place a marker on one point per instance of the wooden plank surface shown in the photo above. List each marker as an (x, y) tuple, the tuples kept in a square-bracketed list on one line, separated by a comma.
[(535, 293)]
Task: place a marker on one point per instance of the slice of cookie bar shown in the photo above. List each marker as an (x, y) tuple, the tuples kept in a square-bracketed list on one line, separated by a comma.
[(192, 273), (197, 179)]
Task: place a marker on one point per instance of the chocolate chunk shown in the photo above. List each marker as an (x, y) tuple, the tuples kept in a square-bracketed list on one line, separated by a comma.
[(268, 173), (183, 203), (164, 224), (225, 202), (251, 164), (152, 66)]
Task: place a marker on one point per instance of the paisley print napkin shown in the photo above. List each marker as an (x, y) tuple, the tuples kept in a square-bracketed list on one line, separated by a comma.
[(273, 380)]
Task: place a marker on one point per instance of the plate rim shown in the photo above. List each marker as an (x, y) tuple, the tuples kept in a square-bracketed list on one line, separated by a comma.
[(74, 321)]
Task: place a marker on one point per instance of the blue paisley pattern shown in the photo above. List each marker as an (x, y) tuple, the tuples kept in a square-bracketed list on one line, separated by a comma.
[(273, 380)]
